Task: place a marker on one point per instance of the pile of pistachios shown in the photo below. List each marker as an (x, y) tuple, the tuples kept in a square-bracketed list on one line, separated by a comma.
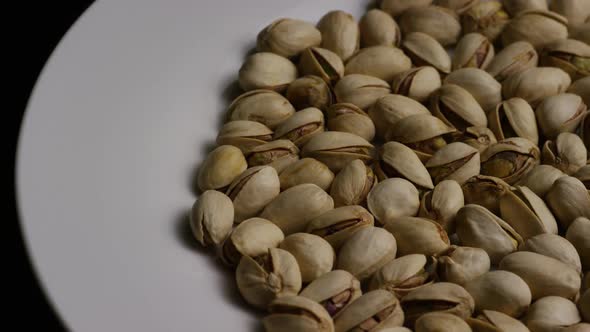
[(423, 169)]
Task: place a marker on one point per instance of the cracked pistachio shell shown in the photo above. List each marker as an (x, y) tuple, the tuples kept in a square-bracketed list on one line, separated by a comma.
[(212, 218), (473, 50), (540, 179), (379, 28), (435, 321), (478, 227), (360, 90), (481, 85), (244, 134), (576, 11), (487, 18), (301, 127), (442, 204), (560, 113), (576, 204), (583, 174), (404, 274), (398, 161), (527, 213), (444, 297), (295, 207), (309, 91), (263, 106), (567, 153), (424, 50), (545, 276), (383, 62), (267, 277), (581, 88), (253, 237), (536, 84), (460, 265), (390, 109), (418, 236), (513, 59), (288, 37), (440, 23), (417, 83), (396, 7), (456, 161), (555, 246), (538, 27), (551, 313), (337, 149), (515, 7), (374, 311), (578, 234), (221, 167), (459, 6), (457, 108), (349, 118), (366, 251), (514, 118), (571, 55), (266, 71), (321, 62), (501, 291), (337, 225), (510, 159), (584, 304), (340, 33), (485, 191), (279, 154), (393, 198), (478, 137), (253, 190), (352, 184), (334, 290), (314, 255), (494, 321), (306, 170), (297, 313)]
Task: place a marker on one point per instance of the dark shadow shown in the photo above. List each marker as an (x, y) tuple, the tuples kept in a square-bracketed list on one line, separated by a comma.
[(372, 4)]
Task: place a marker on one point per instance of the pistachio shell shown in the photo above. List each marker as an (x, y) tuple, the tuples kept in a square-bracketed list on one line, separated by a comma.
[(379, 28), (581, 32), (221, 167), (321, 62), (306, 170), (340, 33), (510, 159), (424, 50), (583, 174), (389, 109), (440, 23), (212, 218), (418, 236), (473, 50), (417, 83), (397, 160), (581, 88), (487, 18), (288, 37), (555, 246), (349, 118), (566, 153), (314, 255), (393, 198), (515, 7), (442, 204), (301, 127), (244, 134), (514, 118), (460, 265), (279, 154), (337, 225), (527, 213), (578, 234), (536, 84), (478, 137), (552, 313), (457, 108), (297, 313), (537, 27), (494, 321), (485, 191), (571, 55), (576, 11), (576, 205), (484, 88), (513, 59), (501, 291), (373, 311), (253, 190), (404, 274), (253, 237), (360, 90), (336, 149), (396, 7), (309, 91), (352, 184), (334, 290), (456, 161), (383, 62), (435, 321), (459, 6), (540, 179), (264, 106), (571, 111), (266, 71)]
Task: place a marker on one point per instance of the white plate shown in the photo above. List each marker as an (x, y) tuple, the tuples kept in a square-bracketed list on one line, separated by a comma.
[(123, 113)]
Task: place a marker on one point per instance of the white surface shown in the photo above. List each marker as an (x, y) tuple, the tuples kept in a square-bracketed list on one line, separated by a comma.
[(118, 121)]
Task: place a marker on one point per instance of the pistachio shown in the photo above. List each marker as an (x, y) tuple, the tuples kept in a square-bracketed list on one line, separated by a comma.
[(379, 28), (389, 109), (278, 154), (393, 198), (526, 213), (366, 251), (484, 88), (336, 149), (571, 111), (417, 83), (301, 127), (288, 37), (456, 161), (383, 62), (581, 32), (264, 106), (418, 236), (397, 160), (485, 191), (578, 234), (581, 88), (352, 184), (515, 7), (267, 71), (510, 159), (538, 27), (253, 237), (349, 118), (334, 290), (576, 203), (440, 23), (244, 134), (545, 276), (501, 291), (396, 7), (478, 137), (536, 84), (340, 33), (494, 321), (459, 6), (513, 59), (321, 62), (584, 304), (473, 50), (315, 257), (478, 227), (295, 207), (457, 108), (555, 246), (487, 18), (567, 153), (576, 11), (360, 90), (306, 170), (253, 190), (221, 167), (460, 265), (435, 321), (212, 218), (514, 118), (309, 91), (583, 174), (424, 50), (540, 179), (265, 278), (571, 55), (297, 313), (442, 204), (405, 274), (374, 311), (337, 225), (552, 313)]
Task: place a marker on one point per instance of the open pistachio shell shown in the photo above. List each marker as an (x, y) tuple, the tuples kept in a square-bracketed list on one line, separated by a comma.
[(390, 109), (424, 50), (334, 290), (527, 213), (337, 149), (360, 90), (288, 37), (404, 274), (478, 137), (337, 225), (495, 321), (571, 55), (212, 218), (340, 33), (393, 198), (418, 83), (266, 70), (264, 106), (535, 84), (460, 265), (513, 59), (552, 313), (253, 238), (473, 50), (510, 159), (578, 234), (515, 7), (440, 23), (349, 118), (306, 170), (221, 167), (567, 153), (397, 160), (576, 205), (396, 7), (321, 62), (314, 255), (383, 62), (501, 291), (514, 118), (540, 179), (438, 321), (418, 236), (485, 191), (538, 27), (379, 28), (352, 184), (309, 91), (576, 11), (457, 108), (442, 203), (484, 88), (244, 134), (297, 313), (253, 190), (487, 18), (279, 154), (301, 127), (571, 112), (555, 246), (456, 161), (374, 311)]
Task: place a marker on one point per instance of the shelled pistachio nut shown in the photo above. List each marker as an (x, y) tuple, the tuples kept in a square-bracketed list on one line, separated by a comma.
[(253, 238), (581, 88), (484, 88), (485, 191), (552, 313), (424, 50), (478, 137), (263, 106), (571, 112), (538, 27), (460, 265), (383, 62), (349, 118), (244, 134), (288, 37), (473, 50), (571, 55), (576, 204), (438, 321), (555, 246), (494, 321), (393, 198), (578, 234), (266, 70), (297, 313), (515, 7), (576, 11), (457, 108), (396, 7), (374, 311), (440, 23), (417, 83), (301, 127), (398, 161), (379, 28), (405, 274), (510, 159), (309, 91), (513, 59), (567, 153), (221, 167), (487, 18), (391, 108), (321, 62), (340, 33), (337, 149), (540, 179), (314, 255), (253, 190), (456, 161), (306, 170), (339, 224), (212, 218), (583, 174), (459, 6), (514, 118), (360, 90), (352, 184), (334, 290), (535, 84), (279, 154), (442, 203), (418, 236), (501, 291)]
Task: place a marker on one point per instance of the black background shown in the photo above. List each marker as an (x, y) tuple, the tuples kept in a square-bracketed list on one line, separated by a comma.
[(37, 27)]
